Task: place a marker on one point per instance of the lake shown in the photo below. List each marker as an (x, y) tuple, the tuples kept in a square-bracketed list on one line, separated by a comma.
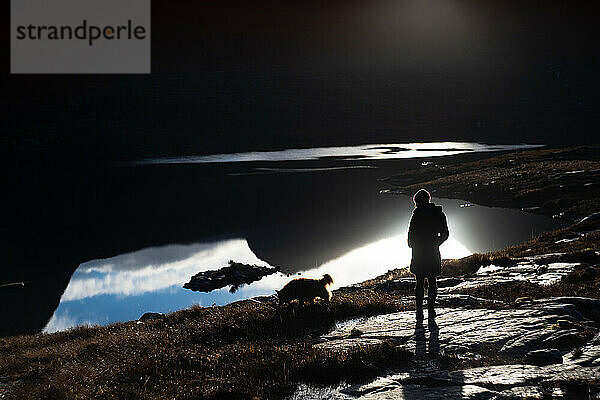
[(308, 211)]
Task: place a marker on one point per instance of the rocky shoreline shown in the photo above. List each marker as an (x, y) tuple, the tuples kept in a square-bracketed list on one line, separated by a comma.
[(560, 183)]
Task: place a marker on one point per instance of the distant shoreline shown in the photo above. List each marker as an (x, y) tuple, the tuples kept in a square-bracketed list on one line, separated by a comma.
[(559, 183)]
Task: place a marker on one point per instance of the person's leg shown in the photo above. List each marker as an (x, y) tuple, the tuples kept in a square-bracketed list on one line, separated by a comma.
[(420, 291), (431, 292)]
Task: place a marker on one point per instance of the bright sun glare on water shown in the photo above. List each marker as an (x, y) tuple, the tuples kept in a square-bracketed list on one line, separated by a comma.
[(385, 151)]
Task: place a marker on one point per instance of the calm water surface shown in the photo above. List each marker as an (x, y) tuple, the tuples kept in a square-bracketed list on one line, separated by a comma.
[(310, 219), (387, 151)]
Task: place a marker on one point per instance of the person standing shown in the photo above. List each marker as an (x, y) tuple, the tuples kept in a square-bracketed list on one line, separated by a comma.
[(427, 231)]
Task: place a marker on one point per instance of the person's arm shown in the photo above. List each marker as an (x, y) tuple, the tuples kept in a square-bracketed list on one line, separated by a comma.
[(443, 229), (411, 232)]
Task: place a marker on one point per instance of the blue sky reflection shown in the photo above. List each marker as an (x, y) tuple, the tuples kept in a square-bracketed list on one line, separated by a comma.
[(126, 286)]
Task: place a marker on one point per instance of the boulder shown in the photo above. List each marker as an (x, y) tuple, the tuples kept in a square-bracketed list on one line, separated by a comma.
[(149, 316), (543, 357), (234, 275), (590, 308)]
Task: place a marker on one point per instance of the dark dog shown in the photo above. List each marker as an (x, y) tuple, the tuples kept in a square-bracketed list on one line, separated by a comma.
[(303, 290)]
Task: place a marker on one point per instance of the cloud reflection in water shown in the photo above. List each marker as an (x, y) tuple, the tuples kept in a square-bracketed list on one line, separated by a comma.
[(114, 289), (154, 268)]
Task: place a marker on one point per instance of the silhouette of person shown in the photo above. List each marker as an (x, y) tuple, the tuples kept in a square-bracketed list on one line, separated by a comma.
[(428, 230)]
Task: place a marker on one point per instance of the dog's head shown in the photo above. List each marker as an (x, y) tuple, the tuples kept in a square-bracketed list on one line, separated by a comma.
[(327, 280), (281, 295)]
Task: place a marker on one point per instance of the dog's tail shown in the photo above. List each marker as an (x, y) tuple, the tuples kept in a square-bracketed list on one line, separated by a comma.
[(326, 280)]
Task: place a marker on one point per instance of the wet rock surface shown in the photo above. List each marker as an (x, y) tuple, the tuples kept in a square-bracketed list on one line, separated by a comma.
[(234, 275), (514, 331), (544, 349), (536, 270), (533, 270), (515, 381)]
